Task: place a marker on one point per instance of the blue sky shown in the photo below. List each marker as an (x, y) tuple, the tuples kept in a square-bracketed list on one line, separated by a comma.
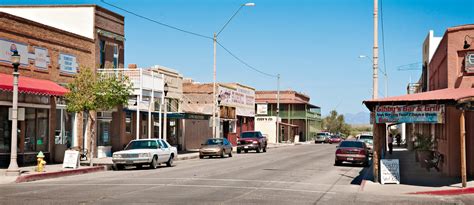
[(313, 44)]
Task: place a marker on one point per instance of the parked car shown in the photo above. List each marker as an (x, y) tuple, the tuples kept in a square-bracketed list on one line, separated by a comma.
[(215, 147), (369, 141), (152, 152), (252, 140), (322, 137), (335, 139), (352, 151)]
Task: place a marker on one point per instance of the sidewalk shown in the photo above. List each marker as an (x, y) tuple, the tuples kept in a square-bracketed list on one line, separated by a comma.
[(50, 171), (414, 179)]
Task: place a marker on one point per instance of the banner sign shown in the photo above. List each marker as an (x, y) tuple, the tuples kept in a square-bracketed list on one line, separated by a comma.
[(262, 109), (390, 171), (431, 113), (67, 63)]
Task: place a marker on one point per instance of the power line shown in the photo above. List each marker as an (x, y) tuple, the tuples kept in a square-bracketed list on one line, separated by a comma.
[(245, 63), (192, 33), (157, 22)]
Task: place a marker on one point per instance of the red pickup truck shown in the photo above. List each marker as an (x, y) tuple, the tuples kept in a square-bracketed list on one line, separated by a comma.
[(251, 140)]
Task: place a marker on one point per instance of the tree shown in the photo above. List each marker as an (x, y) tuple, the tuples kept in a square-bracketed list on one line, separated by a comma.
[(91, 92), (335, 123)]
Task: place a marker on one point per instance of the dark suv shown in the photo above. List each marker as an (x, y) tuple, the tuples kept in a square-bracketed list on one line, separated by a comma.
[(252, 140)]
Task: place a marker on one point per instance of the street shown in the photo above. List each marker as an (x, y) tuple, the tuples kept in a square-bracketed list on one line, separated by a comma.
[(302, 174)]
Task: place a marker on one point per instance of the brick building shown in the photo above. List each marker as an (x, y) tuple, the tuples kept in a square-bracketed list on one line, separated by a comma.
[(54, 42), (450, 88), (236, 106)]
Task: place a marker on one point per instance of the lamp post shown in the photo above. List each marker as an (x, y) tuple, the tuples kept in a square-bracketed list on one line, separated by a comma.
[(165, 103), (13, 167), (384, 73), (219, 100), (214, 109)]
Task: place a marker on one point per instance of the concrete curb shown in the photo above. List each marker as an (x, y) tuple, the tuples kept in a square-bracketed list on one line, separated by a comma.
[(56, 174), (194, 156), (447, 192)]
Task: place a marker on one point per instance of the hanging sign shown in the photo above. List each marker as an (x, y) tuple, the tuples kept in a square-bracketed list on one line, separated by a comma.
[(431, 113), (262, 109), (469, 64), (390, 171)]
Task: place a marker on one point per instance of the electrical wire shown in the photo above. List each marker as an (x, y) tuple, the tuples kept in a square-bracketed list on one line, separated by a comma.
[(195, 34), (157, 22), (245, 63)]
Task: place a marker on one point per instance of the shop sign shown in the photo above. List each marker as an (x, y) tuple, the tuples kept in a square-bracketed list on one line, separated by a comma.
[(265, 119), (390, 171), (67, 64), (262, 109), (6, 50), (469, 65), (71, 159), (241, 98), (431, 113), (41, 58)]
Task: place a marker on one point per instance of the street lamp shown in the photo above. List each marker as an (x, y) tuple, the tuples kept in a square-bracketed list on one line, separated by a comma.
[(214, 100), (13, 167), (384, 73), (165, 103), (467, 45)]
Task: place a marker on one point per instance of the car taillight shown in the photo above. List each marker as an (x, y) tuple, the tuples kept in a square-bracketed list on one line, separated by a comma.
[(362, 152), (255, 142)]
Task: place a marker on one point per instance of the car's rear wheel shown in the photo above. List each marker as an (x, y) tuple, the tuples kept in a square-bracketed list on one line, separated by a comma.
[(338, 163), (239, 151), (169, 163), (265, 149), (201, 157), (246, 151), (230, 153), (154, 162)]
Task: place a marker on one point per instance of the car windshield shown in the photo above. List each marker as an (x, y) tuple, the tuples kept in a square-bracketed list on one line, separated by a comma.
[(334, 137), (142, 144), (214, 142), (249, 135), (366, 137), (322, 134), (351, 144)]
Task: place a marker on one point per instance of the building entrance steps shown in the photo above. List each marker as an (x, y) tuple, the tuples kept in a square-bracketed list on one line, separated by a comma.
[(413, 178)]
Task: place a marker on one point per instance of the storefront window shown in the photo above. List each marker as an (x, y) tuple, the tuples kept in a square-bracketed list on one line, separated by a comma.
[(5, 130), (128, 122), (64, 124), (104, 133), (37, 130)]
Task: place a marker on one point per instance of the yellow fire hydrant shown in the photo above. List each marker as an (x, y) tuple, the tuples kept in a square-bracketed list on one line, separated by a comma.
[(41, 162)]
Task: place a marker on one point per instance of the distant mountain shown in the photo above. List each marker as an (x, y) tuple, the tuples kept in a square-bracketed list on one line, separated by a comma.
[(358, 118)]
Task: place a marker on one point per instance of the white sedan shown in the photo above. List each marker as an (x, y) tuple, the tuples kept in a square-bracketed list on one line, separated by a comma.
[(141, 152)]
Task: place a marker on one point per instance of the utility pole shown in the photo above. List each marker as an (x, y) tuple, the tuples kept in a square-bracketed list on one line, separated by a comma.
[(375, 92), (278, 108), (214, 92)]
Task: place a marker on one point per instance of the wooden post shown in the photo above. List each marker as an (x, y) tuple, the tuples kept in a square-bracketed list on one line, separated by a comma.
[(462, 123), (375, 158)]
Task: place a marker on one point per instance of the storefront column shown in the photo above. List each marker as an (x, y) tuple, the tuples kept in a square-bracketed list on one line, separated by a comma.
[(375, 158), (462, 123)]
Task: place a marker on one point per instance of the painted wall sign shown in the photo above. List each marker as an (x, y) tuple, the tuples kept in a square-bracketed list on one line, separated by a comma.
[(241, 98), (5, 51), (390, 171), (262, 109), (469, 65), (41, 58), (431, 113), (67, 63)]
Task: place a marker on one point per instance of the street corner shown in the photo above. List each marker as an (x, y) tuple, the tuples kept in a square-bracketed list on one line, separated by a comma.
[(28, 177)]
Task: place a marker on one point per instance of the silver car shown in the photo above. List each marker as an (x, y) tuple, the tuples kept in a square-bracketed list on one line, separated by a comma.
[(322, 137)]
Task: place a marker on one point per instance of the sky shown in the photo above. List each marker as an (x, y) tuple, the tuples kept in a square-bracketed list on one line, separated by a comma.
[(313, 44)]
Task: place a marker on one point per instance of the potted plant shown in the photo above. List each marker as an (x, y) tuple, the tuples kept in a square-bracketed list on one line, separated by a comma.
[(423, 148)]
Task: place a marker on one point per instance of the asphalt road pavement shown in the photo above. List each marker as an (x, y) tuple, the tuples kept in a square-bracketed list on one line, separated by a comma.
[(303, 174)]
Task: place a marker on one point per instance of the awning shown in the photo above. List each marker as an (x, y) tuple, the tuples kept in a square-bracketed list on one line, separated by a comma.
[(443, 95), (287, 124), (32, 86)]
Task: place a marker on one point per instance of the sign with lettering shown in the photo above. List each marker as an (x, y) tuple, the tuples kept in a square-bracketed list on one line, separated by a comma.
[(262, 109), (390, 171), (243, 99), (469, 65), (6, 51), (41, 58), (71, 159), (67, 63), (431, 113)]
